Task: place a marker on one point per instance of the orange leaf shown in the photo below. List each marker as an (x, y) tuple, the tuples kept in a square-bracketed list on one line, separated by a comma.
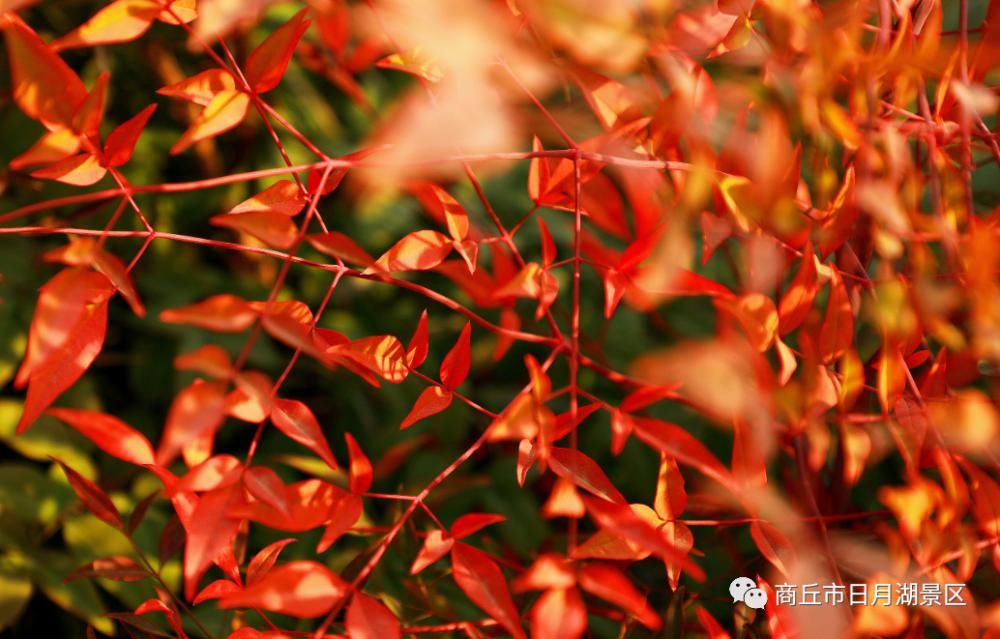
[(773, 544), (418, 251), (310, 505), (341, 246), (271, 227), (224, 313), (381, 354), (209, 360), (443, 208), (121, 142), (369, 619), (481, 580), (82, 169), (432, 401), (282, 197), (201, 88), (121, 21), (455, 366), (295, 420), (225, 111), (619, 519), (111, 435), (52, 147), (45, 87), (269, 60)]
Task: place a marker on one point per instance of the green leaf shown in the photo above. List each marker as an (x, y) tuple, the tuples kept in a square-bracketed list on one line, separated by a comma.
[(30, 495), (46, 439), (80, 598), (15, 591)]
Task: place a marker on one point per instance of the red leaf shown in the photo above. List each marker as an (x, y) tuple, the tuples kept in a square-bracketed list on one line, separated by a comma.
[(481, 580), (96, 501), (771, 543), (436, 545), (197, 411), (559, 614), (798, 299), (269, 60), (837, 333), (443, 208), (341, 246), (548, 244), (361, 467), (710, 625), (210, 532), (303, 589), (264, 560), (345, 513), (455, 366), (681, 445), (584, 472), (216, 590), (45, 87), (432, 401), (88, 252), (209, 360), (611, 585), (310, 505), (472, 523), (155, 605), (121, 142), (295, 420), (214, 473), (111, 435), (621, 520), (369, 619), (223, 313), (416, 352), (418, 251), (68, 359), (264, 484), (118, 568)]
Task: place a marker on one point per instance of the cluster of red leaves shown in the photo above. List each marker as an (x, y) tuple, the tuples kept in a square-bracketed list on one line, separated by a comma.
[(888, 205)]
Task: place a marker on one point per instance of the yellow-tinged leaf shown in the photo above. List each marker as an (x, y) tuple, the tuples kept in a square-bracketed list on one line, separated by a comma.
[(226, 110), (120, 21), (79, 170)]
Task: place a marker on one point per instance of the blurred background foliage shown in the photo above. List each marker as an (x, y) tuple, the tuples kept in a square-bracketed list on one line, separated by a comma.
[(44, 531)]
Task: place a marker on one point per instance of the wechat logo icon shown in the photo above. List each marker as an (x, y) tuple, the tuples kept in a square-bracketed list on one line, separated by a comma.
[(744, 589)]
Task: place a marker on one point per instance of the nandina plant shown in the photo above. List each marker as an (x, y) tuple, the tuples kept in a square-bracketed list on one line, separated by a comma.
[(490, 318)]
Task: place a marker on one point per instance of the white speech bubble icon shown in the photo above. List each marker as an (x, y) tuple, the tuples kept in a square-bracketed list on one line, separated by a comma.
[(755, 598), (740, 586)]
